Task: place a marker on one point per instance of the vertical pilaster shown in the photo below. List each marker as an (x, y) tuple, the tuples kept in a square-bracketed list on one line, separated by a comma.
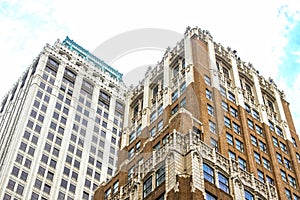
[(282, 115), (146, 99), (212, 65), (260, 100), (167, 80), (188, 56), (236, 80)]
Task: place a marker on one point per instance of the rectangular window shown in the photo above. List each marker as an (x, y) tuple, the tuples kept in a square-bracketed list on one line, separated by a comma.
[(256, 115), (109, 171), (160, 175), (295, 197), (253, 140), (174, 96), (231, 97), (288, 194), (294, 142), (292, 181), (279, 158), (207, 80), (259, 130), (153, 131), (250, 124), (242, 163), (248, 88), (155, 91), (152, 117), (248, 195), (279, 131), (210, 110), (131, 137), (208, 94), (257, 157), (11, 185), (287, 163), (270, 180), (107, 193), (247, 108), (275, 141), (283, 175), (222, 91), (115, 187), (262, 146), (174, 110), (165, 139), (231, 155), (147, 187), (266, 163), (260, 175), (212, 127), (283, 147), (298, 157), (236, 128), (239, 145), (209, 196), (160, 109), (138, 146), (160, 125), (271, 125), (223, 183), (182, 87), (227, 122), (229, 138), (156, 147), (139, 130), (183, 103), (214, 144), (208, 173), (130, 171), (225, 106), (234, 112)]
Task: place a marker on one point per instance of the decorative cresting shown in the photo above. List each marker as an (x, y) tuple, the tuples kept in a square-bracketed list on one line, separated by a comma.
[(129, 190), (183, 145), (248, 180)]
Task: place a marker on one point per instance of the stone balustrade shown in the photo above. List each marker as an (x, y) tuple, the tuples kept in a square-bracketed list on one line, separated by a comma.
[(186, 143)]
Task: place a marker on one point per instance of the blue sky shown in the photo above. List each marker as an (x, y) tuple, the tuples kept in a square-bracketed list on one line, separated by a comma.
[(264, 33)]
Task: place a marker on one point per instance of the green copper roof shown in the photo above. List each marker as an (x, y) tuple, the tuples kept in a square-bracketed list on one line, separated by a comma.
[(92, 58)]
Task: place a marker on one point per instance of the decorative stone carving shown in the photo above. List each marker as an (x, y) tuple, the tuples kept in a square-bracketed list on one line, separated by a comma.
[(176, 187), (193, 189)]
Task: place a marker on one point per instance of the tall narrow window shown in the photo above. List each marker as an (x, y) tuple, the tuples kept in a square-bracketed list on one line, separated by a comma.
[(147, 187), (223, 183), (248, 195), (208, 173), (160, 175)]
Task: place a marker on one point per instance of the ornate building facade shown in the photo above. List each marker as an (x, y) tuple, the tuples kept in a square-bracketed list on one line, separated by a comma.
[(203, 124), (60, 126)]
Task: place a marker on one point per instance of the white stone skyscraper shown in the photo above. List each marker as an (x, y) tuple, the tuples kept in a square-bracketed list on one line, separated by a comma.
[(60, 126)]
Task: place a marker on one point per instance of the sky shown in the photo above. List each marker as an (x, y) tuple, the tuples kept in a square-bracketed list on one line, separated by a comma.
[(265, 33)]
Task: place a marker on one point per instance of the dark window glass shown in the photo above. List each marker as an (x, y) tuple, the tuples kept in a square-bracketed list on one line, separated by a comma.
[(20, 189), (41, 171), (24, 176), (11, 185)]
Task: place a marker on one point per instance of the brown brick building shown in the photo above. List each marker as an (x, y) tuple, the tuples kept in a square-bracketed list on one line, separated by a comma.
[(205, 125)]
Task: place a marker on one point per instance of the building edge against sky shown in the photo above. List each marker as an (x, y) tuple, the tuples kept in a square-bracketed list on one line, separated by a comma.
[(60, 126), (203, 124)]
